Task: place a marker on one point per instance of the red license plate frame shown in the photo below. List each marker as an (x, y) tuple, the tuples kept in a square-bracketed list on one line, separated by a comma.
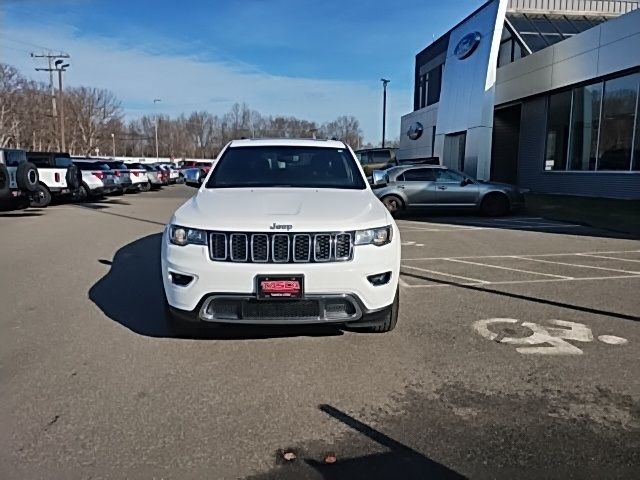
[(279, 287)]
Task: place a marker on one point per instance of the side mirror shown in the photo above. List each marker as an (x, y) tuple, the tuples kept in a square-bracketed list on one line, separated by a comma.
[(379, 178), (465, 182), (192, 177)]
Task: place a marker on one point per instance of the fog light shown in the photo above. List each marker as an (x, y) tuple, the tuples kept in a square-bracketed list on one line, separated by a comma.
[(180, 279), (379, 279)]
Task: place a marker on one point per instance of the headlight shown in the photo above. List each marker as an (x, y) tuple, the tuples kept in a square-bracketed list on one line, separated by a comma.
[(374, 236), (186, 236)]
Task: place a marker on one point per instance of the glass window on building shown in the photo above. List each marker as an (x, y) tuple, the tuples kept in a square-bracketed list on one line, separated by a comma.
[(423, 90), (558, 131), (434, 85), (585, 122), (618, 123), (504, 54), (636, 153)]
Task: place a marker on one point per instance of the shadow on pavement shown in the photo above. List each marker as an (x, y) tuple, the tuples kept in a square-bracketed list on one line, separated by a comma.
[(522, 222), (579, 308), (131, 293), (397, 461), (20, 214)]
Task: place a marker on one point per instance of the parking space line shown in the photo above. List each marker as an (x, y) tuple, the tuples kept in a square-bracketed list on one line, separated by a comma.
[(579, 266), (411, 229), (434, 272), (544, 280), (524, 255), (422, 224), (403, 282), (517, 219), (457, 260), (608, 258), (539, 221)]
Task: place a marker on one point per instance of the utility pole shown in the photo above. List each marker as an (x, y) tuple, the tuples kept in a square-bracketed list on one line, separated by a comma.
[(156, 100), (59, 66), (113, 144), (50, 57), (384, 108)]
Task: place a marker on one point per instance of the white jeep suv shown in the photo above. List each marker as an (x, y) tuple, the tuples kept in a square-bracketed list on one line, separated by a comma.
[(282, 232)]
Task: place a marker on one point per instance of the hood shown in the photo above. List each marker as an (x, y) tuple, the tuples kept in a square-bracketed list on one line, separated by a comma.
[(294, 209)]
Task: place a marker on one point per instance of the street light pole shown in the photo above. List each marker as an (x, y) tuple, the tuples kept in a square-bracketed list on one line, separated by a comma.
[(61, 68), (384, 108), (113, 144), (156, 100)]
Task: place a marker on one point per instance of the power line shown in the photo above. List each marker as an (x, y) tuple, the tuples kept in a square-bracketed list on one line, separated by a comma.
[(32, 45), (59, 67)]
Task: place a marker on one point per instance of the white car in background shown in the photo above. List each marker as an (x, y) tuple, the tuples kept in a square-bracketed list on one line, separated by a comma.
[(139, 177), (59, 177), (282, 232), (173, 173), (97, 179), (18, 177)]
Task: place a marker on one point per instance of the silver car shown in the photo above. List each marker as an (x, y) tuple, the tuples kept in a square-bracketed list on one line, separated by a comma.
[(422, 186)]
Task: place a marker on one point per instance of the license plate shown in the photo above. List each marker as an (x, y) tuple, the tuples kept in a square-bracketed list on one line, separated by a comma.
[(280, 286)]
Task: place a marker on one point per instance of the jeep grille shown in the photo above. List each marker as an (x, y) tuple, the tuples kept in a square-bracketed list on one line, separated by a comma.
[(281, 247)]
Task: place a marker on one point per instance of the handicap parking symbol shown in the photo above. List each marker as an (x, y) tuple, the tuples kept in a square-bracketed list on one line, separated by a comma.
[(534, 339)]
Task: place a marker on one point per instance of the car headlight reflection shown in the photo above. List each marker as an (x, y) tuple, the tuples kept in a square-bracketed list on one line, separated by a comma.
[(186, 236), (374, 236)]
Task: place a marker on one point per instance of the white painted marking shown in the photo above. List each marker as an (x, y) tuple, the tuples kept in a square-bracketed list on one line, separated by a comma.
[(540, 222), (543, 340), (607, 257), (612, 340), (457, 260), (517, 219), (416, 230), (579, 266), (432, 224), (403, 282), (527, 255), (474, 280), (524, 282), (412, 244)]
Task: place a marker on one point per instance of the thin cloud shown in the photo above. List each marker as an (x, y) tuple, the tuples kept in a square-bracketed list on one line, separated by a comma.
[(190, 82)]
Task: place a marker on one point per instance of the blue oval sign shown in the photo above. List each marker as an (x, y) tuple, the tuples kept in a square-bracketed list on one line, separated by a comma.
[(467, 45), (415, 131)]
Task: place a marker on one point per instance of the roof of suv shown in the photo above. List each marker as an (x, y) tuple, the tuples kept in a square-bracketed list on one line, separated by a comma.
[(286, 142)]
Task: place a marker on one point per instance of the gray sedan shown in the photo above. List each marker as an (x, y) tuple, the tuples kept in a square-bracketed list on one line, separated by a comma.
[(421, 186)]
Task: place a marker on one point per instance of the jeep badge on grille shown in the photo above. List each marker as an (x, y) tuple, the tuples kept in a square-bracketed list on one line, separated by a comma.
[(276, 226)]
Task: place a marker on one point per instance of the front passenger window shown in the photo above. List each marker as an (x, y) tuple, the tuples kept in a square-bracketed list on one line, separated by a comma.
[(420, 175)]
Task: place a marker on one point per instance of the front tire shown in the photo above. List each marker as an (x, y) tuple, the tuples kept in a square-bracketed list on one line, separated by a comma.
[(495, 205), (394, 205), (144, 187), (83, 194), (179, 328), (40, 197), (390, 319)]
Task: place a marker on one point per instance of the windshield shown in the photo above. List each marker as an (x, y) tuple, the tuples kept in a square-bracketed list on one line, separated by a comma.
[(279, 166), (63, 162)]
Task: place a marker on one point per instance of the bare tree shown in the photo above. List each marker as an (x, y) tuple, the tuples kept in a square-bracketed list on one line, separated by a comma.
[(92, 112), (93, 115)]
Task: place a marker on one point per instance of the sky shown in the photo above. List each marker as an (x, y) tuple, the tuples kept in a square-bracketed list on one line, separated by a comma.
[(315, 60)]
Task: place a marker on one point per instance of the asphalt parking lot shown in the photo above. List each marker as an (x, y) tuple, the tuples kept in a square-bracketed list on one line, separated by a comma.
[(516, 355)]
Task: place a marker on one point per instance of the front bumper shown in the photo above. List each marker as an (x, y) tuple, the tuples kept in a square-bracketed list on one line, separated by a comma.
[(324, 282)]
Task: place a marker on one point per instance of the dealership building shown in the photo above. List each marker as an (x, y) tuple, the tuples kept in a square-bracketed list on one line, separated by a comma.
[(540, 93)]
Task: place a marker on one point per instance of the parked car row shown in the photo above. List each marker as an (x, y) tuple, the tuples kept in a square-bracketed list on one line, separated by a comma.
[(36, 178)]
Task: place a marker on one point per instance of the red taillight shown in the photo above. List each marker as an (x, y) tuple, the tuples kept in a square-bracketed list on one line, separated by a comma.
[(135, 174), (56, 176), (117, 172), (100, 175)]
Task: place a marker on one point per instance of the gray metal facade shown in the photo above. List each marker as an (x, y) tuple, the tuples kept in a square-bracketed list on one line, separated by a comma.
[(531, 174)]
